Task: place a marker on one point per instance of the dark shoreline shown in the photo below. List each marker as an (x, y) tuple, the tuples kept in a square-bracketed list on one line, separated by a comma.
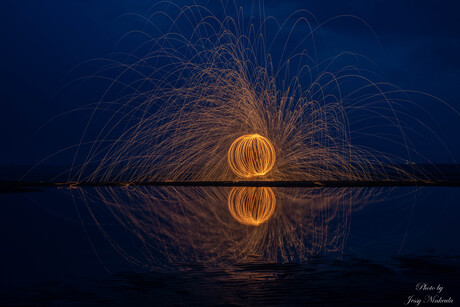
[(19, 185), (28, 178)]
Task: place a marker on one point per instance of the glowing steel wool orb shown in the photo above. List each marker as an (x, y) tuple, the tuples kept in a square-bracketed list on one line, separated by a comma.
[(251, 155), (251, 205)]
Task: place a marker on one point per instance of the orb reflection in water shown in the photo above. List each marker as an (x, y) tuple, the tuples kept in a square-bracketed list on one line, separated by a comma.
[(251, 205)]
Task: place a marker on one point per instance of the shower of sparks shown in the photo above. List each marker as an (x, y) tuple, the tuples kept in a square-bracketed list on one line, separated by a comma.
[(208, 101)]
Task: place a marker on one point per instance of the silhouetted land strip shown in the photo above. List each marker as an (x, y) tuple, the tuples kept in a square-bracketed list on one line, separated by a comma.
[(21, 179), (25, 186)]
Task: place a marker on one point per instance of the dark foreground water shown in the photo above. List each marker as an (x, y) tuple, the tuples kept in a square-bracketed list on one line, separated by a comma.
[(149, 246)]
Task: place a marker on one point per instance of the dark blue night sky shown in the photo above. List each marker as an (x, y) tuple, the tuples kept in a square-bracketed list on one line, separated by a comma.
[(42, 41)]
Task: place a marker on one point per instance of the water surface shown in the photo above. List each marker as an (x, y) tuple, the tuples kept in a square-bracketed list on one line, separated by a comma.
[(217, 246)]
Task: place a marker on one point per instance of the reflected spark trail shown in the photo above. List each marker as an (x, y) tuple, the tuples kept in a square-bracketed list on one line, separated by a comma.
[(168, 226), (251, 205)]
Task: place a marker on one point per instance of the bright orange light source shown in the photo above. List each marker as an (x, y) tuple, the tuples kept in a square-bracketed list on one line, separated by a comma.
[(251, 205), (251, 155)]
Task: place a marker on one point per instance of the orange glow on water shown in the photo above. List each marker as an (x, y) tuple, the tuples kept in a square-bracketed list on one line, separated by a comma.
[(251, 205), (251, 155)]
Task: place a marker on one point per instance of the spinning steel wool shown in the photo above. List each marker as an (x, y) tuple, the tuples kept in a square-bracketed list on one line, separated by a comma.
[(251, 155)]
